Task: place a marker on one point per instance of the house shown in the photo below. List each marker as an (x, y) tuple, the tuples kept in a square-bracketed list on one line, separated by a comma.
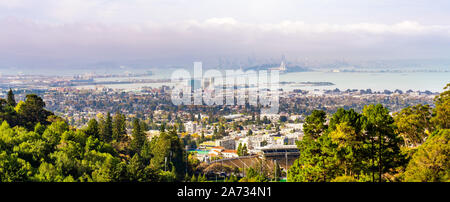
[(216, 150), (219, 151), (229, 154), (227, 143), (190, 127)]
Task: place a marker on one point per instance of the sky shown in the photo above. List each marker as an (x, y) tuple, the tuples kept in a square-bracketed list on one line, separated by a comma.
[(88, 33)]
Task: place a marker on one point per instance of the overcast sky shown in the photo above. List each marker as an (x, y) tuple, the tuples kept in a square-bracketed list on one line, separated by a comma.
[(54, 33)]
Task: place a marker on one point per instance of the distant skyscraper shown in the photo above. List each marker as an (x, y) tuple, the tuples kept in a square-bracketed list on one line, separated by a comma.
[(283, 63), (282, 66)]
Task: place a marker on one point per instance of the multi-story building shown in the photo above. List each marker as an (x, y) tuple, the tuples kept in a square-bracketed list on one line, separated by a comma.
[(227, 143), (190, 127)]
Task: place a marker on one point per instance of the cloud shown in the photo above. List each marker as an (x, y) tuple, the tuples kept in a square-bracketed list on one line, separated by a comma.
[(11, 4), (32, 43)]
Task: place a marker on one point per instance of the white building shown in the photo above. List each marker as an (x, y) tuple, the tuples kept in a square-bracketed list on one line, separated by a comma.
[(190, 127), (221, 151), (227, 143), (229, 154)]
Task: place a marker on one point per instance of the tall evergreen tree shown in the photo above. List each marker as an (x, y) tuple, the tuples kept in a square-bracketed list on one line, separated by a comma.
[(138, 136), (32, 111), (119, 126), (239, 149), (315, 124), (8, 114), (244, 150), (169, 145), (316, 163), (11, 100), (107, 130), (383, 144), (346, 132), (144, 126), (92, 128)]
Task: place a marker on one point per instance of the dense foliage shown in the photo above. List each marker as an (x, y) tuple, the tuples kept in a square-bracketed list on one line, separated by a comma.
[(412, 145), (35, 145)]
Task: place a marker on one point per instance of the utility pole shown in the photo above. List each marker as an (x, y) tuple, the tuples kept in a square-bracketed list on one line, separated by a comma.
[(187, 161), (276, 169), (286, 167), (261, 167)]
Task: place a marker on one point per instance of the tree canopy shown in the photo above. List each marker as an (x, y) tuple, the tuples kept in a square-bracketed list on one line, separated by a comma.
[(412, 145)]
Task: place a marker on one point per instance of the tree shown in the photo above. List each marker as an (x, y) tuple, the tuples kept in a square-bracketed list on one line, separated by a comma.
[(414, 124), (146, 153), (442, 111), (253, 175), (11, 100), (350, 147), (144, 126), (264, 143), (39, 128), (138, 172), (13, 168), (344, 179), (119, 126), (106, 129), (381, 142), (169, 145), (138, 137), (107, 171), (92, 128), (32, 111), (239, 149), (317, 161), (244, 151), (163, 127), (431, 162), (48, 173), (348, 151), (315, 124), (249, 132), (168, 176), (204, 179), (350, 117), (57, 152), (345, 131), (7, 113), (193, 178), (52, 135)]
